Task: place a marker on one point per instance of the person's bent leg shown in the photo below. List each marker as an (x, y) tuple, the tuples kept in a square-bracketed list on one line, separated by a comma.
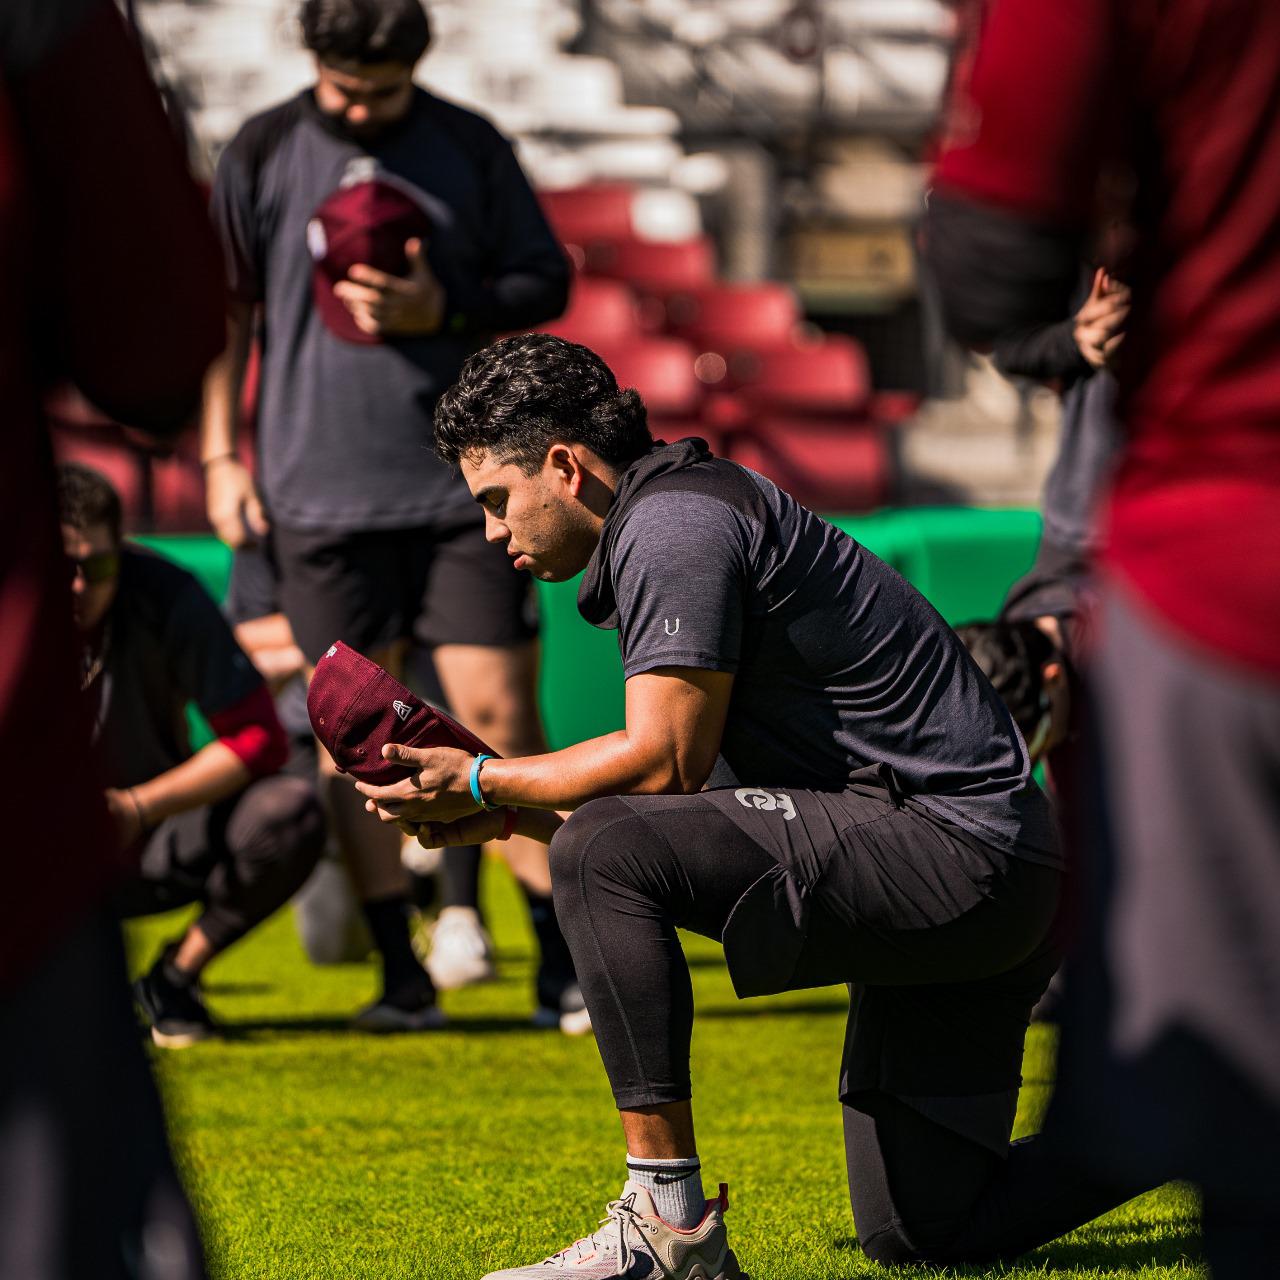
[(621, 888), (493, 690), (273, 838), (923, 1193)]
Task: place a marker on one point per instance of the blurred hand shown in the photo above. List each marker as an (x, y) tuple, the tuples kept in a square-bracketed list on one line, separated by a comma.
[(232, 502), (126, 816), (1099, 326), (411, 305), (478, 828)]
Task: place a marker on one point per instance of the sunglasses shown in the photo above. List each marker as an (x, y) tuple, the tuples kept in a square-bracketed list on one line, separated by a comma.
[(102, 566)]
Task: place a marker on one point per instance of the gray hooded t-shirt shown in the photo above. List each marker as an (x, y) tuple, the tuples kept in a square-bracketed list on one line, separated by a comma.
[(839, 664)]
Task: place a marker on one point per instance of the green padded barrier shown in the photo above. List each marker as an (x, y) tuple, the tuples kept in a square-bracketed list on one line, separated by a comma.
[(961, 558)]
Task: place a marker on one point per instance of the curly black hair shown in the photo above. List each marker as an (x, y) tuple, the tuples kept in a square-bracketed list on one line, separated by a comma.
[(366, 31), (515, 398), (86, 498), (1012, 655)]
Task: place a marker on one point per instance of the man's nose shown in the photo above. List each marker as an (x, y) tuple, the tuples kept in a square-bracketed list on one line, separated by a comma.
[(494, 529)]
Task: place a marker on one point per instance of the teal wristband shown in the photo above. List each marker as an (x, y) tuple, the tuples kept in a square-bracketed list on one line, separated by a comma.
[(476, 794)]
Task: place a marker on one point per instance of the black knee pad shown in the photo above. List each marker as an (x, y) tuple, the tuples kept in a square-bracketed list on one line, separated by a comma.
[(279, 817)]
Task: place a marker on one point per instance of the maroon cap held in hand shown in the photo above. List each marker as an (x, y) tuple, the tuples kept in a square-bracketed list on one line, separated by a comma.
[(356, 708), (368, 220)]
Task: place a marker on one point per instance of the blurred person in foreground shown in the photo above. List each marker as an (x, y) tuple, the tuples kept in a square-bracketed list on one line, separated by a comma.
[(889, 834), (211, 825), (1170, 1062), (377, 234), (87, 1185)]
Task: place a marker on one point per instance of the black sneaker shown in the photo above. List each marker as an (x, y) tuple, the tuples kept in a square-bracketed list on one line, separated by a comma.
[(174, 1011), (410, 1008)]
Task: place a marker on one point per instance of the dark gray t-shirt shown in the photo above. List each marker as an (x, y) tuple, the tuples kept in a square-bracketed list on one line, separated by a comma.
[(345, 429), (839, 663)]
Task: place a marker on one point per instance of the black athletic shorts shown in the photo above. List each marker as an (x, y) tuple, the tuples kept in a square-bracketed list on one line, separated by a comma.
[(436, 585)]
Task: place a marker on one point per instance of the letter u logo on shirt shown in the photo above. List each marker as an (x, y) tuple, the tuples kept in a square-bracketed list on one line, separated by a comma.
[(668, 628)]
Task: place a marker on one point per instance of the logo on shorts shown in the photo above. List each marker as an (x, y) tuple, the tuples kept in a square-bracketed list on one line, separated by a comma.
[(668, 628), (754, 798), (401, 709)]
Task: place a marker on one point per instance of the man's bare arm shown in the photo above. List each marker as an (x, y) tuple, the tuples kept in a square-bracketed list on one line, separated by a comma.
[(232, 501), (675, 720)]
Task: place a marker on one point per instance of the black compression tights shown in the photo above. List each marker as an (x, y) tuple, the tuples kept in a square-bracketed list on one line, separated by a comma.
[(919, 1191)]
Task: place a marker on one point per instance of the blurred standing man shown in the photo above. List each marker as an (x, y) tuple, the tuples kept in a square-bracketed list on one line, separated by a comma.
[(87, 1186), (381, 234), (1173, 1044)]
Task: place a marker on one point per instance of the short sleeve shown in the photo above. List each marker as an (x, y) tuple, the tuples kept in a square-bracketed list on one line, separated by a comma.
[(231, 206), (208, 666), (679, 576)]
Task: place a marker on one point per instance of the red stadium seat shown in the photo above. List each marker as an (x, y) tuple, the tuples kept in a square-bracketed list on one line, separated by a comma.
[(106, 450), (825, 464), (178, 494), (731, 317), (600, 313), (827, 377), (654, 266), (661, 370), (580, 215)]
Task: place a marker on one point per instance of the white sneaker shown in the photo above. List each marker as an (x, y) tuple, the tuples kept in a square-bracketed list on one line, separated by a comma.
[(633, 1243), (461, 950), (570, 1015)]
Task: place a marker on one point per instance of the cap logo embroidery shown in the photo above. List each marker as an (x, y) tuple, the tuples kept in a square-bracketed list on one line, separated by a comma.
[(401, 709), (333, 648)]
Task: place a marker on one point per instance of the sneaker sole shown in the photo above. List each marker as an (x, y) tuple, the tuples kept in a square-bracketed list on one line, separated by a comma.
[(452, 977), (395, 1020), (180, 1039), (577, 1023), (730, 1270)]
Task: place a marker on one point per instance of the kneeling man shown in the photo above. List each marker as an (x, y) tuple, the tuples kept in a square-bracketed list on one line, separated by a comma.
[(881, 827)]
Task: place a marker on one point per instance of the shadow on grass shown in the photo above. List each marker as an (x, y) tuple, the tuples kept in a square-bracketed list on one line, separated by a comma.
[(250, 1029), (754, 1009), (1106, 1248)]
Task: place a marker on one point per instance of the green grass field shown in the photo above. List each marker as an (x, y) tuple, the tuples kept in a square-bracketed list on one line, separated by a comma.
[(313, 1151)]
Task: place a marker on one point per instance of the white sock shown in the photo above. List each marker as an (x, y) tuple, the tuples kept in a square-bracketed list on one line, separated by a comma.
[(675, 1185)]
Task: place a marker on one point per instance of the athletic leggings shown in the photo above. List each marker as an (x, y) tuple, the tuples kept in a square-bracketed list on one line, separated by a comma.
[(243, 858), (918, 1190)]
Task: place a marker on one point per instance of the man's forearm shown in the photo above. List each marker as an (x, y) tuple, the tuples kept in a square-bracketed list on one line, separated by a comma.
[(613, 765), (212, 774), (220, 415)]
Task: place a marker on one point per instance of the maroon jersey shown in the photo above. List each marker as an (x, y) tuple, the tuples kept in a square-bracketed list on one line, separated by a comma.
[(112, 282), (1177, 99)]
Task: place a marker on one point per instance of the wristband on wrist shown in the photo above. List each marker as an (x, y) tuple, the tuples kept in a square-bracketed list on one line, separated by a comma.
[(509, 823), (476, 794)]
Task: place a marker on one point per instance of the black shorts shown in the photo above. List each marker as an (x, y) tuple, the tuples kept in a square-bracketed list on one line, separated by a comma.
[(435, 585)]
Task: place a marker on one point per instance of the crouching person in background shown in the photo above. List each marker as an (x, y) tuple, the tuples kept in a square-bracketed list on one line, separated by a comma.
[(212, 825)]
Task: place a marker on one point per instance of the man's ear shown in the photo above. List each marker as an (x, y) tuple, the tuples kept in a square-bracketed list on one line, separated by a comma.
[(567, 466)]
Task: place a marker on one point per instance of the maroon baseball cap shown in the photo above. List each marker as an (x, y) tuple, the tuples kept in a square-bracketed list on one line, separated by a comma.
[(366, 220), (356, 708)]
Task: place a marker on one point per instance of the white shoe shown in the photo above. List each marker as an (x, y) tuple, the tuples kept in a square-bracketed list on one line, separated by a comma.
[(570, 1017), (633, 1243), (461, 950)]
